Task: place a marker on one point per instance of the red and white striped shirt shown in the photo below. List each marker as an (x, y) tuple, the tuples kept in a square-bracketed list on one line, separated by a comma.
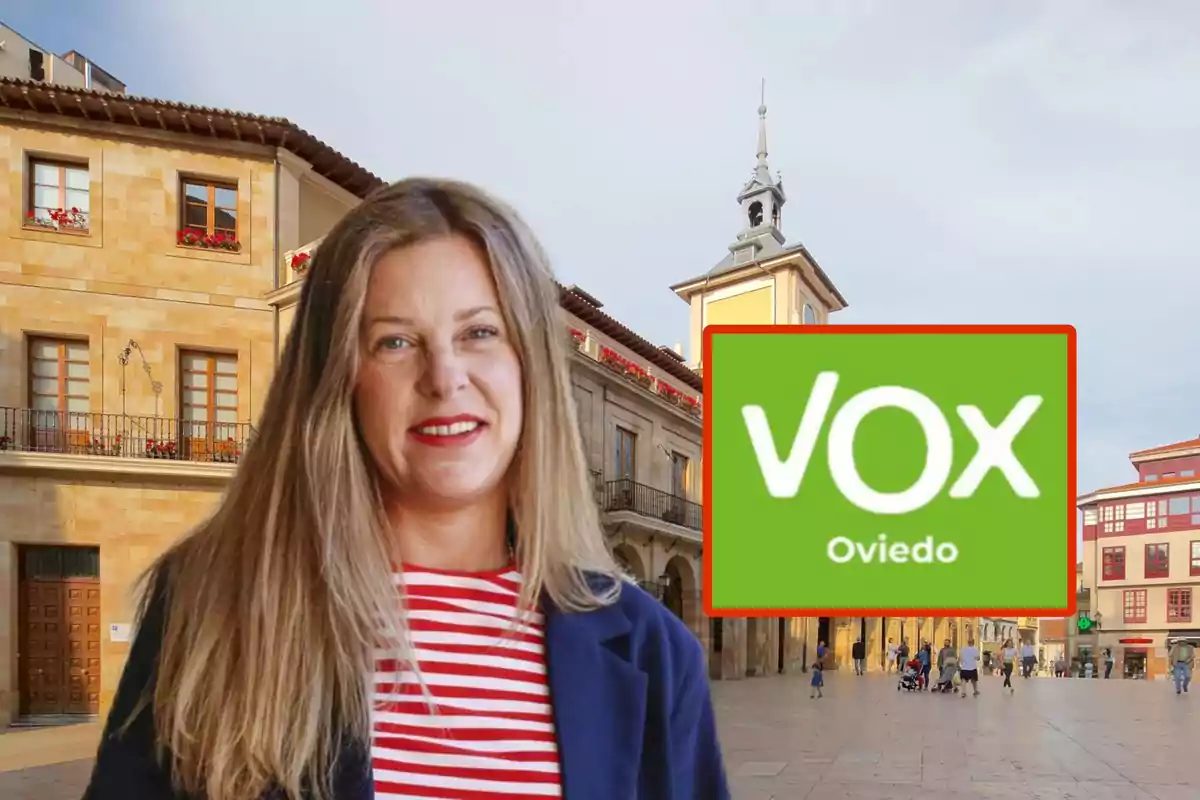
[(492, 734)]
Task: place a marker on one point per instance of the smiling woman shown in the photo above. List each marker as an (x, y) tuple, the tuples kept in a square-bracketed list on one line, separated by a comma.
[(406, 589)]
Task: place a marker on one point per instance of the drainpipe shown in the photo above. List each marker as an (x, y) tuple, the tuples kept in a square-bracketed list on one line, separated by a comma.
[(275, 262)]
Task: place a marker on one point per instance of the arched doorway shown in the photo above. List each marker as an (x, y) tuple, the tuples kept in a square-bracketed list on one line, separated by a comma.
[(680, 594), (630, 560)]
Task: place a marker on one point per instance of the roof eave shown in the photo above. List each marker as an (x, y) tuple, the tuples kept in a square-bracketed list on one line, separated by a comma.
[(200, 123), (685, 289)]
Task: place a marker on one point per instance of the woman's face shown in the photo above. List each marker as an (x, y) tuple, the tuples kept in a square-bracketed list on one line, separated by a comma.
[(439, 392)]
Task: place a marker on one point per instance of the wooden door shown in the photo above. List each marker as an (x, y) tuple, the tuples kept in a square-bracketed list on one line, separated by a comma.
[(59, 617), (82, 657), (44, 635)]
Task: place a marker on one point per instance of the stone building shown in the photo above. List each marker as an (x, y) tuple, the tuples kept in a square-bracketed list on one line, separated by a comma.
[(139, 239), (1141, 562)]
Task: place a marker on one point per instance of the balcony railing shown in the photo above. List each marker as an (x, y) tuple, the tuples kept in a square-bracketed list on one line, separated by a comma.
[(28, 430), (624, 494)]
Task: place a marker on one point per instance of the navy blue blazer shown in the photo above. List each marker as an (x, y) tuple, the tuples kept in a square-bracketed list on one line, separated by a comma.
[(632, 712)]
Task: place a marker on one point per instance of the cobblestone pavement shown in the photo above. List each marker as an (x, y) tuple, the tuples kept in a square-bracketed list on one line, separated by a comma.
[(1051, 740)]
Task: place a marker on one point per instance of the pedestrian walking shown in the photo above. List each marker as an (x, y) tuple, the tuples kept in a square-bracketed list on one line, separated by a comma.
[(925, 656), (1008, 659), (891, 656), (1108, 662), (902, 655), (968, 667), (945, 655), (1089, 669), (1181, 657), (817, 680), (821, 651), (859, 653), (1028, 660)]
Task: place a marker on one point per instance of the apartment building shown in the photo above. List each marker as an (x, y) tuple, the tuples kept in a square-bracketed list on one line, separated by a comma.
[(139, 241), (1141, 561), (24, 60)]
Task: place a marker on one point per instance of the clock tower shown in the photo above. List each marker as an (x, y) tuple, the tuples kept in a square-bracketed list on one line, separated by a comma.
[(762, 279)]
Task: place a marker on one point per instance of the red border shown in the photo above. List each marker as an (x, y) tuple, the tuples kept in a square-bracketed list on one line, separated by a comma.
[(1070, 606)]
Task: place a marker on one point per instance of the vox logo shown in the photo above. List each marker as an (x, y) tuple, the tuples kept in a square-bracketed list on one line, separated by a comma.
[(994, 446), (886, 469)]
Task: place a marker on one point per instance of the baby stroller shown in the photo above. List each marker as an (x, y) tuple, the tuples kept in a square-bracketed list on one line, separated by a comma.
[(910, 679), (945, 684)]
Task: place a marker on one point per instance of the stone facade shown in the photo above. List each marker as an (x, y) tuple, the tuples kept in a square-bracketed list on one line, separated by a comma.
[(125, 279)]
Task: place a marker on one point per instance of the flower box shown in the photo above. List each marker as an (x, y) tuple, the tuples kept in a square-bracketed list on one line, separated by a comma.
[(578, 338), (192, 237), (669, 393), (300, 262), (98, 447), (157, 449), (64, 220)]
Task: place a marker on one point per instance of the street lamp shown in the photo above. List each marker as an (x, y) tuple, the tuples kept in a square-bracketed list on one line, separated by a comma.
[(664, 583)]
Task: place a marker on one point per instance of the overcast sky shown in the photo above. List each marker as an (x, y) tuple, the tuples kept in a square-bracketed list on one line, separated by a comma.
[(944, 161)]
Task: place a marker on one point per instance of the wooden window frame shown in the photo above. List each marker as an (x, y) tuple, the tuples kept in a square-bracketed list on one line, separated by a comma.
[(61, 342), (62, 165), (1118, 559), (1179, 604), (1194, 557), (685, 479), (1158, 572), (1131, 601), (622, 433), (210, 204), (210, 373)]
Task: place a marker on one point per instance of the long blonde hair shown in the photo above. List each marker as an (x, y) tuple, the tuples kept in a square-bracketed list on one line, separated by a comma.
[(274, 606)]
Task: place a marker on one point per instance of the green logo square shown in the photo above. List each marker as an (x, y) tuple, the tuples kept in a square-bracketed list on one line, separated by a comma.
[(881, 469)]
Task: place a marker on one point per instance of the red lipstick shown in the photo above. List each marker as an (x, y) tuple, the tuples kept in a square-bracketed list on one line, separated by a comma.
[(457, 431)]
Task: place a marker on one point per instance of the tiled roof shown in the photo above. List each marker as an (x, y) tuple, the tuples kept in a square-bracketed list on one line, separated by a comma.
[(1167, 448), (1145, 484), (619, 333), (200, 121)]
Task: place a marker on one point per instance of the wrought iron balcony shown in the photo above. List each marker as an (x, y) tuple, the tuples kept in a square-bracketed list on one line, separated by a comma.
[(29, 430), (625, 494)]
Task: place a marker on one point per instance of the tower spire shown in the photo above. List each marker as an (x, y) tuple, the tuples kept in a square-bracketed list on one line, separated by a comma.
[(762, 126)]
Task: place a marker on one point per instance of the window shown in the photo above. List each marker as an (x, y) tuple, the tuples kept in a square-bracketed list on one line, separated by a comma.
[(1195, 570), (1158, 560), (1156, 514), (1090, 517), (1114, 564), (626, 454), (1135, 510), (680, 472), (1151, 477), (59, 195), (1179, 605), (208, 396), (1178, 505), (1187, 473), (59, 371), (1135, 605), (37, 65), (210, 208)]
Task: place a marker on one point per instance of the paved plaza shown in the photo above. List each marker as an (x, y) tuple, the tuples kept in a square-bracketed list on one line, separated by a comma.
[(1055, 739)]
